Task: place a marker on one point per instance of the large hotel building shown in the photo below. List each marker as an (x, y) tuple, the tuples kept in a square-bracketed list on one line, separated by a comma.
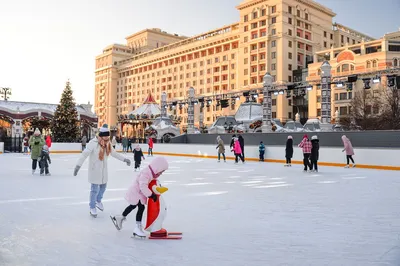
[(278, 36)]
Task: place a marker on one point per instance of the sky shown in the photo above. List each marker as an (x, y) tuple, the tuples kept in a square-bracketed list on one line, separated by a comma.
[(43, 43)]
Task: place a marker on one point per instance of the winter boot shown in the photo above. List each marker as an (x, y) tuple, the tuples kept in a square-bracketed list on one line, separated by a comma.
[(93, 212), (100, 206), (138, 231), (118, 220)]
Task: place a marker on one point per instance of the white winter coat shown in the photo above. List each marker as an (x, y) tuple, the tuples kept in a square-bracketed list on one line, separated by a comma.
[(97, 170)]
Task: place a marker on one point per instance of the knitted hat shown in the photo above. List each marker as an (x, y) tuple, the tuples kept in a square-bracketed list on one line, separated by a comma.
[(37, 132), (104, 131), (305, 136), (314, 137), (45, 147), (289, 137)]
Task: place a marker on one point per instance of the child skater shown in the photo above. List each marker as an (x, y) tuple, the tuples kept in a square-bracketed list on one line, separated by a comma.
[(314, 153), (261, 150), (137, 156), (138, 193), (98, 150), (44, 161), (237, 150), (289, 151)]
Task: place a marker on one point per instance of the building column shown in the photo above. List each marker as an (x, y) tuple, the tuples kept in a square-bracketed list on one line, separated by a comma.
[(267, 105), (164, 104), (326, 93), (190, 126)]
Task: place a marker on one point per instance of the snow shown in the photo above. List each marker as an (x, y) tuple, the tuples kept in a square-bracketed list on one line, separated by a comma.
[(251, 214), (248, 112)]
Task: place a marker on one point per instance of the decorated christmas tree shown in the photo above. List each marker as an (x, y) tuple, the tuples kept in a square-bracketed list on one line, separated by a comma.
[(65, 126)]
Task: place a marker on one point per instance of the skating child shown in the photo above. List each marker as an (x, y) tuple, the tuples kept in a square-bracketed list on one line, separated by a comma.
[(220, 148), (289, 151), (151, 145), (261, 150), (44, 161), (138, 193), (314, 153), (26, 146), (98, 150), (137, 156), (237, 150), (36, 142), (348, 148)]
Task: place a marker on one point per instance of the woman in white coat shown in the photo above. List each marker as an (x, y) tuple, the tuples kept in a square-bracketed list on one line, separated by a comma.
[(98, 150)]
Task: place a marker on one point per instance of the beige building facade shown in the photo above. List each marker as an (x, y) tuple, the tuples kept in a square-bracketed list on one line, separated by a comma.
[(277, 36), (366, 60)]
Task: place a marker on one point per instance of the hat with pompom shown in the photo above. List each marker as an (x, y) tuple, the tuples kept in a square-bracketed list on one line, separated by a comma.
[(37, 132), (104, 131)]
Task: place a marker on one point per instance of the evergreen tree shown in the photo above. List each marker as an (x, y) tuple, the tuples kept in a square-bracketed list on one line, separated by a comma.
[(65, 126)]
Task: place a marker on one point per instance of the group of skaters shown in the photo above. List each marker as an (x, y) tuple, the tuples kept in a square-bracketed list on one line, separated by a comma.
[(39, 151), (310, 148)]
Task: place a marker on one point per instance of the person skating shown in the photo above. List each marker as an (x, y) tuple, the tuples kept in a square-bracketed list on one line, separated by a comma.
[(151, 145), (314, 153), (348, 148), (138, 193), (36, 142), (114, 142), (306, 146), (261, 151), (237, 150), (221, 149), (48, 142), (241, 141), (26, 145), (137, 156), (289, 151), (232, 142), (98, 150), (44, 161), (129, 146)]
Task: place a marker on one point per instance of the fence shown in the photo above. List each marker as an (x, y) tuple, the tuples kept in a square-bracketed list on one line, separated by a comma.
[(13, 144)]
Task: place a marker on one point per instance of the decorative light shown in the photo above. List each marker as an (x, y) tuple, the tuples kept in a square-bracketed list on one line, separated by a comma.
[(276, 93), (309, 88), (340, 85), (376, 80), (281, 92), (267, 79)]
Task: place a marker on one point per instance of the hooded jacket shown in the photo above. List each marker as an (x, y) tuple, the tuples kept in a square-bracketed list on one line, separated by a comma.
[(315, 150), (289, 148), (348, 147), (139, 190)]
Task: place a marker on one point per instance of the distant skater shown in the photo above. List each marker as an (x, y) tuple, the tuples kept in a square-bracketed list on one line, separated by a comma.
[(306, 146), (289, 151), (348, 148), (314, 153)]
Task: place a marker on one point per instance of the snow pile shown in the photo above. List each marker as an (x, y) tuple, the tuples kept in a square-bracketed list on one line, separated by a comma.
[(248, 112)]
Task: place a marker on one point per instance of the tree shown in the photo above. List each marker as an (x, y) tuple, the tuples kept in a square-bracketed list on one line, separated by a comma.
[(65, 126), (391, 112)]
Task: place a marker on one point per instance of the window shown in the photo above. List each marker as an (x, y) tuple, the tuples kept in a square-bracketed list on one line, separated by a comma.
[(254, 36), (273, 20), (306, 16), (395, 62), (273, 67), (255, 15), (348, 40), (290, 55), (273, 55), (289, 9), (343, 110), (254, 25), (273, 9), (290, 44), (298, 13), (290, 102), (273, 44), (246, 18), (290, 20), (289, 78), (318, 112), (246, 71), (273, 31), (263, 12), (336, 96), (273, 102), (350, 95), (246, 28), (325, 34), (354, 41), (343, 96), (290, 32), (342, 38), (369, 64), (273, 114), (246, 39), (318, 99), (263, 34), (262, 56), (262, 44), (232, 56), (331, 36), (263, 23), (298, 23), (374, 63)]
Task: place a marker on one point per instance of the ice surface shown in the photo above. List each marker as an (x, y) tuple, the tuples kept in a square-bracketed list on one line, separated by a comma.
[(252, 214)]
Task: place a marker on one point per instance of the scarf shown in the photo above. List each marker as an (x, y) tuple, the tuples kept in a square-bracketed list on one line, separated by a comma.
[(104, 148)]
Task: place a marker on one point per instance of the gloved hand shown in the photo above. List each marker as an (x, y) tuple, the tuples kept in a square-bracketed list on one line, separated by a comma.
[(127, 161), (36, 142), (76, 170), (153, 197)]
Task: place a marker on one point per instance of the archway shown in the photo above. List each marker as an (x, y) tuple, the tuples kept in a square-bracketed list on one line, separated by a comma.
[(33, 122)]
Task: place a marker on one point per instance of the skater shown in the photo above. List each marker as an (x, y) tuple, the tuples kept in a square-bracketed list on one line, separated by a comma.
[(114, 142), (314, 153), (138, 193), (289, 151), (26, 145), (348, 148), (129, 146), (306, 146), (48, 141), (36, 142), (261, 151), (238, 151), (44, 161), (98, 150), (124, 144), (232, 142), (84, 141), (137, 156), (151, 144), (241, 141), (221, 149)]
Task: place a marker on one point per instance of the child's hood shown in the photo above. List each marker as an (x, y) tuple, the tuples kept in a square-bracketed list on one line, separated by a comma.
[(158, 165)]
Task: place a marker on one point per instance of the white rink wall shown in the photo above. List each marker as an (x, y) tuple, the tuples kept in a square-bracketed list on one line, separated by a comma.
[(1, 147)]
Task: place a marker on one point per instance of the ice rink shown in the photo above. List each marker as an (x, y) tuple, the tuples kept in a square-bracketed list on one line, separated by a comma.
[(251, 214)]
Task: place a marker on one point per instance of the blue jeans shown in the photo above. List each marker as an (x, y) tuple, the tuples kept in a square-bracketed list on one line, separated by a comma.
[(96, 194)]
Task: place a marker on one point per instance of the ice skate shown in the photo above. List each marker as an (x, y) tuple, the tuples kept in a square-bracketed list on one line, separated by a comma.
[(218, 161), (118, 220), (100, 206), (41, 174), (33, 172), (347, 166), (286, 165), (138, 231), (48, 174), (93, 212), (354, 165)]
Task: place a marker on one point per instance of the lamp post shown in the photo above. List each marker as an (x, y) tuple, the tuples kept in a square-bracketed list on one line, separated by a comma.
[(267, 86), (6, 92), (164, 104), (326, 93), (190, 127)]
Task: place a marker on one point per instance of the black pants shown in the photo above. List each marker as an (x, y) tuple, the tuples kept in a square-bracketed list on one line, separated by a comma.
[(288, 160), (34, 164), (349, 157), (44, 167), (306, 161), (139, 213), (150, 152), (242, 153), (262, 156), (238, 156), (219, 156), (137, 164), (314, 165)]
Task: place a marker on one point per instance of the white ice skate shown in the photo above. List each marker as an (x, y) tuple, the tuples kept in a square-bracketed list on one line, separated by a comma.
[(138, 231), (100, 206), (347, 166), (33, 172), (48, 174), (93, 212), (118, 220), (354, 165)]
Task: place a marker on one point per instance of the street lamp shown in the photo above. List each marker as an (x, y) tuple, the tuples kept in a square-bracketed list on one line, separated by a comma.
[(5, 93), (267, 86), (326, 93)]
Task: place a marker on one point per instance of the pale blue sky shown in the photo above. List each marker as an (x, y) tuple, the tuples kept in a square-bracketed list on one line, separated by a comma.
[(45, 42)]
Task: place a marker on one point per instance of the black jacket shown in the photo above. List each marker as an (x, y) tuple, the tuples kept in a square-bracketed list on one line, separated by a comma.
[(232, 141), (289, 148), (241, 141), (315, 150), (137, 155), (44, 159)]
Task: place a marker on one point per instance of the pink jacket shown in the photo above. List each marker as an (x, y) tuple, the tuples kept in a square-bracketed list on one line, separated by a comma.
[(139, 190), (236, 147), (347, 146)]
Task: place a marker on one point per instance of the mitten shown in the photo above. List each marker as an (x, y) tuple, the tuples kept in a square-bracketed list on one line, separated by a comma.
[(153, 197), (76, 170), (127, 161)]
